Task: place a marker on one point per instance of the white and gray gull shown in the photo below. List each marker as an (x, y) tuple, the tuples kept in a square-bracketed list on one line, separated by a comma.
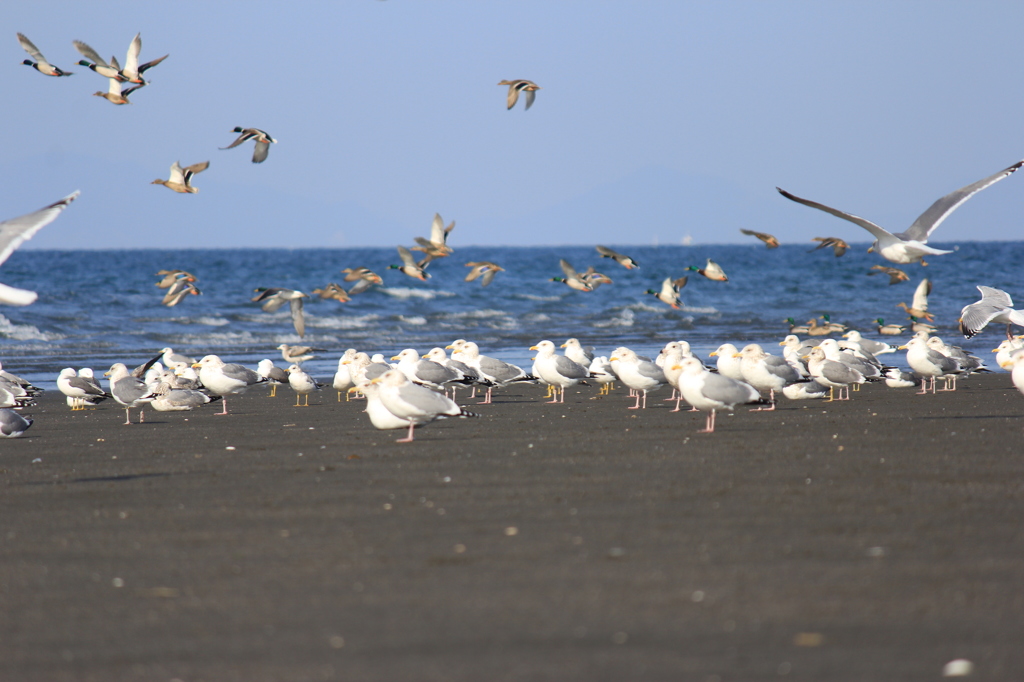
[(224, 379)]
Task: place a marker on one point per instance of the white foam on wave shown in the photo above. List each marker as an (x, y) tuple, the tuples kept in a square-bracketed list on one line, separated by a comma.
[(626, 318), (415, 321), (25, 332), (211, 321), (408, 292), (342, 322), (483, 313), (647, 308), (534, 297), (218, 339), (708, 310)]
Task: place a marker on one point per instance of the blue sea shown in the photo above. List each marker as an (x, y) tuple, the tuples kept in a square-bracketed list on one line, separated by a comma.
[(100, 307)]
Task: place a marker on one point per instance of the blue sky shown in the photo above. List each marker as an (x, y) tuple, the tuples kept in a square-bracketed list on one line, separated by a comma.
[(656, 120)]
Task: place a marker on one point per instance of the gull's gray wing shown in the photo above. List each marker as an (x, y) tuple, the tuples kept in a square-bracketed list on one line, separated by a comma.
[(240, 373), (568, 368), (651, 371), (424, 400), (501, 371), (727, 391), (17, 230), (298, 319), (432, 372), (875, 230), (840, 373), (940, 210), (780, 368)]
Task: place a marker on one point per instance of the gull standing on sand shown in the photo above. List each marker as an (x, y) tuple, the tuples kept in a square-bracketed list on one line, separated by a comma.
[(380, 416), (180, 399), (416, 404), (439, 356), (865, 363), (832, 374), (557, 370), (275, 297), (13, 424), (855, 340), (273, 374), (728, 361), (14, 232), (496, 371), (79, 390), (1007, 350), (302, 383), (296, 355), (226, 379), (620, 258), (769, 240), (128, 390), (40, 64), (995, 306), (710, 392), (766, 372), (343, 376), (170, 358), (642, 376), (262, 138), (928, 363), (911, 246), (1016, 367), (575, 351), (181, 178), (522, 85), (426, 372)]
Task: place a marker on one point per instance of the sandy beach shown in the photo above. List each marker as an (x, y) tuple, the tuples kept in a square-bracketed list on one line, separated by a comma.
[(878, 539)]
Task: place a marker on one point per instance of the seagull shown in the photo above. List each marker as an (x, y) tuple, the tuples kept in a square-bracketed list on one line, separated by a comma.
[(181, 178), (437, 245), (426, 372), (601, 371), (710, 392), (302, 383), (79, 390), (766, 372), (669, 293), (13, 424), (856, 341), (1015, 365), (839, 247), (296, 355), (182, 287), (712, 271), (170, 399), (439, 356), (496, 371), (275, 297), (14, 232), (640, 375), (132, 71), (832, 374), (409, 265), (273, 374), (415, 404), (380, 416), (97, 63), (572, 279), (575, 351), (728, 362), (40, 64), (928, 363), (484, 269), (131, 391), (226, 379), (919, 305), (769, 241), (911, 246), (343, 379), (1007, 349), (557, 370), (517, 86), (622, 259), (263, 142), (995, 306), (895, 275)]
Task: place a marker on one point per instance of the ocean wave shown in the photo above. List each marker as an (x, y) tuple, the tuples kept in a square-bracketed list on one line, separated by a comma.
[(342, 322), (474, 314), (534, 297), (211, 321), (708, 310), (626, 318), (416, 321), (409, 292), (25, 332)]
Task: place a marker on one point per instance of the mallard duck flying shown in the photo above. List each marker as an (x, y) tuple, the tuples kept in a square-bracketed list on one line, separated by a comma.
[(409, 265), (839, 247), (263, 142), (437, 245), (911, 246), (485, 270), (895, 275), (333, 291), (181, 178), (712, 271), (182, 287), (515, 87), (132, 70), (114, 94), (15, 231), (769, 240), (919, 306), (622, 259), (97, 63), (669, 293), (572, 279), (40, 64), (365, 276), (169, 277)]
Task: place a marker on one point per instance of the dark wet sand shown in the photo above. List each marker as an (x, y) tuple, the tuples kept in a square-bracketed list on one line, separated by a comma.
[(870, 540)]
